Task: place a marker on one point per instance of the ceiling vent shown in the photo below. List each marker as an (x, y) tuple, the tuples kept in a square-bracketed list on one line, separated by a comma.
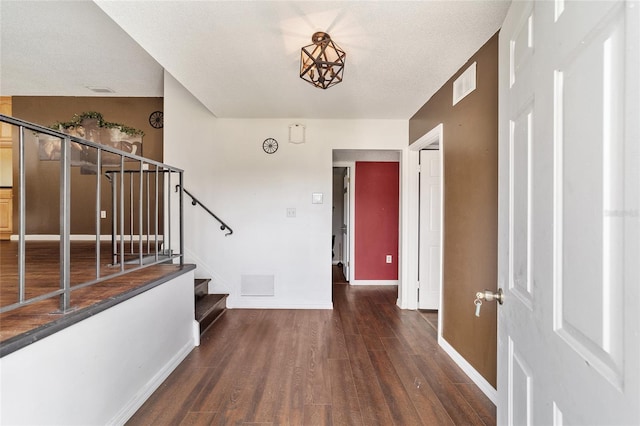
[(101, 89), (464, 84)]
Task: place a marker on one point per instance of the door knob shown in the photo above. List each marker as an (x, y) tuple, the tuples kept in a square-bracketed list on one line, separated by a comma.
[(490, 296)]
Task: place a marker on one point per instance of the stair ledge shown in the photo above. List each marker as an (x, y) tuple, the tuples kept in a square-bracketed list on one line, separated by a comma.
[(209, 308), (208, 303), (201, 286)]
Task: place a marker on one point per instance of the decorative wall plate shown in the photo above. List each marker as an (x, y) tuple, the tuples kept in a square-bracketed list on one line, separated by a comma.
[(156, 119), (270, 145)]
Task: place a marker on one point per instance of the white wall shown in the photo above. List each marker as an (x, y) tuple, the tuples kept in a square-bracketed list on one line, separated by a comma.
[(102, 369), (227, 169)]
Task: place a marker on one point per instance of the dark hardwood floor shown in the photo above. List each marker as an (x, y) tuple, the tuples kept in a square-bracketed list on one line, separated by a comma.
[(364, 363), (42, 262)]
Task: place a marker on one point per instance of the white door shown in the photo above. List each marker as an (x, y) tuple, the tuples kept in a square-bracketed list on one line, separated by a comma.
[(569, 231), (429, 230), (345, 225)]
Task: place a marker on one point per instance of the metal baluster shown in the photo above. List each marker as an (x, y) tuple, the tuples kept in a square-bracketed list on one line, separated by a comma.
[(121, 213), (22, 218), (140, 189), (181, 218), (65, 224), (146, 178), (167, 232), (131, 213), (157, 214), (113, 178), (98, 209)]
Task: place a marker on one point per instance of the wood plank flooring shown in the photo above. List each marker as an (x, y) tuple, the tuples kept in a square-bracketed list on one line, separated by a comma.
[(43, 274), (364, 363)]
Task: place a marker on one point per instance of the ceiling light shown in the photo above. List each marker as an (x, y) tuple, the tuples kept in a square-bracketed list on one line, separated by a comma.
[(322, 63)]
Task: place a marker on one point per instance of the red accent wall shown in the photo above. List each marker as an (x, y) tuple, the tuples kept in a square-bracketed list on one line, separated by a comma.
[(377, 191)]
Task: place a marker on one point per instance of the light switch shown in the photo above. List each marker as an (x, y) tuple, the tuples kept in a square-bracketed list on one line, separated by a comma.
[(316, 198)]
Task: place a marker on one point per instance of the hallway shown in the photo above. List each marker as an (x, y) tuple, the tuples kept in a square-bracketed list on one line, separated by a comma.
[(364, 363)]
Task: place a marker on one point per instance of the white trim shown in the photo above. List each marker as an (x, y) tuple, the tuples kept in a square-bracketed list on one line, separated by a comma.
[(431, 137), (407, 293), (351, 165), (253, 302), (352, 223), (139, 399), (196, 333), (468, 369), (82, 237), (374, 282), (410, 299)]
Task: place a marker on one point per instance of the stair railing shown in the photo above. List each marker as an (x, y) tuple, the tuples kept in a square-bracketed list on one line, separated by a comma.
[(91, 156), (195, 201)]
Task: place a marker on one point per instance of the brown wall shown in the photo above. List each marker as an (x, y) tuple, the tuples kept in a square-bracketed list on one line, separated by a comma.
[(470, 207), (43, 183)]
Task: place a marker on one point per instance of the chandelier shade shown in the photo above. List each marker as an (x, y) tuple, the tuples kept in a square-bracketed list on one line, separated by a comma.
[(322, 62)]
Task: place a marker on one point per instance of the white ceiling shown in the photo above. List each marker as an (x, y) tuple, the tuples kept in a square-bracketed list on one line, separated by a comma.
[(241, 58)]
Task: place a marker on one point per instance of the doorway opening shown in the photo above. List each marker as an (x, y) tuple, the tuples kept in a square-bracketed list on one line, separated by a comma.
[(345, 164), (340, 222), (430, 177)]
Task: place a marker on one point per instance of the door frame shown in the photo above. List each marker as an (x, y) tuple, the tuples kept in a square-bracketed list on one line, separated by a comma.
[(435, 135), (351, 166), (432, 137), (426, 212)]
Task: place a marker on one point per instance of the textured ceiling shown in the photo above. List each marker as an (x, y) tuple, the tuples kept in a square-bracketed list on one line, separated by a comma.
[(58, 48), (241, 58)]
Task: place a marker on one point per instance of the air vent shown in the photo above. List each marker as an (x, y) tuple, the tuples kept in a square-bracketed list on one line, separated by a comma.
[(101, 89), (257, 285), (464, 84)]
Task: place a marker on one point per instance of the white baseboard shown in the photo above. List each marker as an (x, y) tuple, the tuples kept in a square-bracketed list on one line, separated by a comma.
[(81, 237), (265, 303), (139, 399), (468, 369), (196, 333), (373, 282)]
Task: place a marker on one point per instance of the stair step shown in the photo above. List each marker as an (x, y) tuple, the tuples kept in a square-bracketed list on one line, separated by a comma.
[(201, 287), (209, 308)]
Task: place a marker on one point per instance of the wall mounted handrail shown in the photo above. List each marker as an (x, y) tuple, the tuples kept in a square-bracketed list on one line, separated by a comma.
[(161, 190), (195, 201)]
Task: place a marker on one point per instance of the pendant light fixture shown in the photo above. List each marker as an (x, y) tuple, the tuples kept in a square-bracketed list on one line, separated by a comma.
[(322, 63)]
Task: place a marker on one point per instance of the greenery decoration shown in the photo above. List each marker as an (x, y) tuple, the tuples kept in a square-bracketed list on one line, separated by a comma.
[(76, 121)]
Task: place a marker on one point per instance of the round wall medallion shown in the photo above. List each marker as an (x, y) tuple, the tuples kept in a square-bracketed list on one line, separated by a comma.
[(270, 145), (156, 119)]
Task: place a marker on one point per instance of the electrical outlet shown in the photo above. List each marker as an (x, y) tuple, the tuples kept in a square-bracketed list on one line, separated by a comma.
[(389, 258), (103, 214), (291, 212)]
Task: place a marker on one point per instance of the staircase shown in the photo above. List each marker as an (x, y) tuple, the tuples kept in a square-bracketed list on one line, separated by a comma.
[(209, 307)]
